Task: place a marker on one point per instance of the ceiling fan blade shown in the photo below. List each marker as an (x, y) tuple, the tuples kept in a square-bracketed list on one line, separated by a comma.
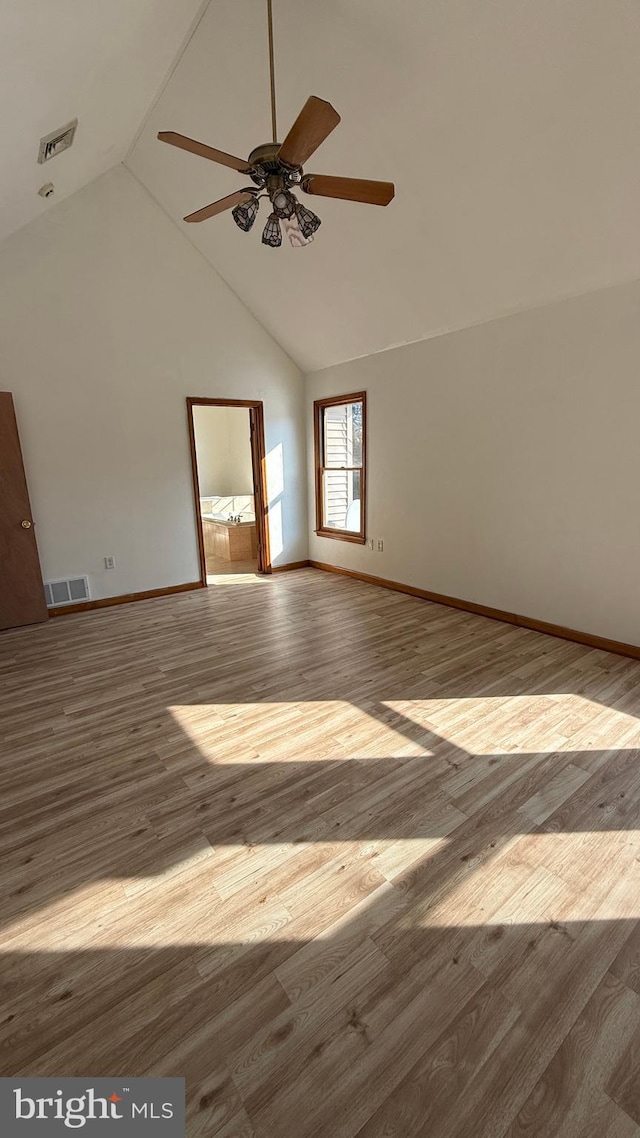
[(204, 151), (220, 205), (349, 189), (314, 123)]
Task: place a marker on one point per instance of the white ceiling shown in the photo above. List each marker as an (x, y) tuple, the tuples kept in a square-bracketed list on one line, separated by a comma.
[(100, 61), (509, 127)]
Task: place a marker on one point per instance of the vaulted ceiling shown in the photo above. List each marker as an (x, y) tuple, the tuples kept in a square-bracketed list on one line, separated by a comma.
[(100, 61), (510, 129)]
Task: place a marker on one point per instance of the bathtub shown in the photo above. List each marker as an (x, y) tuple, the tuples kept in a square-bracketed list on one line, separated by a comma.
[(228, 540)]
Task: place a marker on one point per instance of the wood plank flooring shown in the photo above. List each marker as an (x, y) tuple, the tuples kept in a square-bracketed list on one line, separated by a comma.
[(219, 566), (350, 862)]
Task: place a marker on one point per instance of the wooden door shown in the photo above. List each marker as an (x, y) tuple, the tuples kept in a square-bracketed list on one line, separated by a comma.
[(22, 598)]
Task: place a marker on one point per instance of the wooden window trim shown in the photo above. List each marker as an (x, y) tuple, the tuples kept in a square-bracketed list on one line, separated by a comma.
[(318, 407)]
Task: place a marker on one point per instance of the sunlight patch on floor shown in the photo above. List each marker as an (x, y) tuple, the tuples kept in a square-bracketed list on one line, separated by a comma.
[(511, 889), (483, 729), (185, 904), (542, 878), (507, 723), (321, 731), (249, 578)]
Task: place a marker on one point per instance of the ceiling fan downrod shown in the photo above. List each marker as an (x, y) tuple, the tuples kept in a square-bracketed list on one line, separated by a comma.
[(272, 72)]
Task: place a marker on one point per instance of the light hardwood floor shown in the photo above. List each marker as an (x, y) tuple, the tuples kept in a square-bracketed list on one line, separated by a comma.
[(218, 566), (350, 862)]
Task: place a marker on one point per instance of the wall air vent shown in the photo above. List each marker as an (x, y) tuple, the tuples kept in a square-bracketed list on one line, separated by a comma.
[(57, 141), (66, 591)]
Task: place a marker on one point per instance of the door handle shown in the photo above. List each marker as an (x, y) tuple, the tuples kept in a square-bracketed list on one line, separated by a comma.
[(26, 524)]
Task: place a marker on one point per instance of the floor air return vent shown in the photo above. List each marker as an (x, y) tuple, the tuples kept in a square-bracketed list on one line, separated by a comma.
[(67, 591)]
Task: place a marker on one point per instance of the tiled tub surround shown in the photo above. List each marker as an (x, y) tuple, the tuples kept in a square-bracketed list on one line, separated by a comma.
[(223, 537), (228, 505)]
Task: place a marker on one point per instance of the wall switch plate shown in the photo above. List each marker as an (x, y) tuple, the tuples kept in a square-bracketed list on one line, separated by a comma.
[(380, 545), (109, 562), (370, 543)]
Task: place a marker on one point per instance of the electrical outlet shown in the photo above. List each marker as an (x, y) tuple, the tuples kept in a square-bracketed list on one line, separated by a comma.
[(370, 543), (380, 545), (109, 562)]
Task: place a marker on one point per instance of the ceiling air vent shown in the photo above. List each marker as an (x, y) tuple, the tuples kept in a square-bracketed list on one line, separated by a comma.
[(66, 591), (57, 141)]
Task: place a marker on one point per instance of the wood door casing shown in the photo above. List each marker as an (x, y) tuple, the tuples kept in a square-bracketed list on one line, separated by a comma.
[(261, 497), (259, 470), (22, 599)]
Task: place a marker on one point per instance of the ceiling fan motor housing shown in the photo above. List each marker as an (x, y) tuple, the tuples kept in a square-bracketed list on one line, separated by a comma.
[(266, 164)]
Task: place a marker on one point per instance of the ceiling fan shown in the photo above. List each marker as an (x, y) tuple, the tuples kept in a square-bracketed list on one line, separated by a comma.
[(276, 168)]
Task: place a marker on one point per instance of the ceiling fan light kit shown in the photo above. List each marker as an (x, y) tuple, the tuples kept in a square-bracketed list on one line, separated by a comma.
[(308, 221), (284, 203), (244, 214), (272, 233), (276, 168)]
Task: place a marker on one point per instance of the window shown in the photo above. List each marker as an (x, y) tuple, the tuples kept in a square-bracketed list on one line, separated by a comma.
[(340, 437)]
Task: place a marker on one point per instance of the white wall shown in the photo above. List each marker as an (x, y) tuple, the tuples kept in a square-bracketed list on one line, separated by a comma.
[(504, 463), (108, 320), (223, 449)]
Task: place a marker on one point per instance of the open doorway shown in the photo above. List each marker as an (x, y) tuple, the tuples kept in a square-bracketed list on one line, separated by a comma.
[(228, 461)]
